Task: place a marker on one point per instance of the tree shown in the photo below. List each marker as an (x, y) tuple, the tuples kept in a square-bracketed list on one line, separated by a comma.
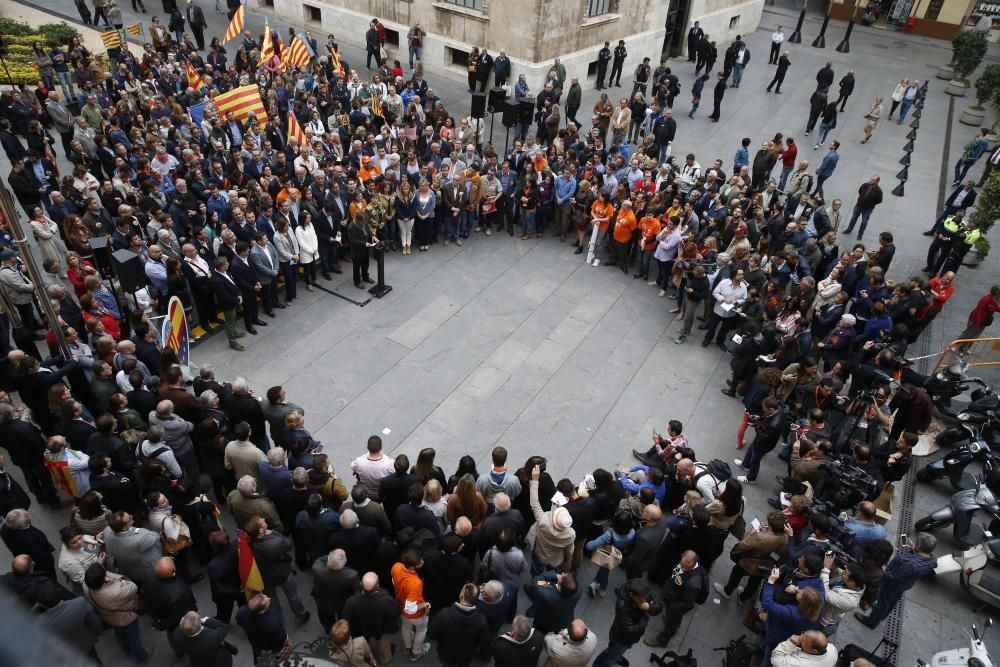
[(988, 86), (968, 49)]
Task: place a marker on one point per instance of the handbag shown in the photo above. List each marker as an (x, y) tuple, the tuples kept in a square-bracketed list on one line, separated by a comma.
[(174, 546), (486, 568), (607, 556), (739, 528)]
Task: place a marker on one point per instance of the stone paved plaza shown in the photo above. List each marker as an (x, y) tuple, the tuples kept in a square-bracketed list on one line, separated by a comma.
[(522, 344)]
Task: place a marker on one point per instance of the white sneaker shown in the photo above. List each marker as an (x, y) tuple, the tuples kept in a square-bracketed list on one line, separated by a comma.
[(742, 479), (721, 590), (662, 293), (739, 462), (489, 232), (458, 242), (739, 592), (651, 283), (597, 262), (479, 229)]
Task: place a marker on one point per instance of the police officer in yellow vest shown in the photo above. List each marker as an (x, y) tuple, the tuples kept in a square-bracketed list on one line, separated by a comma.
[(941, 245), (960, 247)]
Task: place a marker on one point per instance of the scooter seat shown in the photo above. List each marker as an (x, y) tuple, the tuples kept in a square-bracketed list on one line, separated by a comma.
[(994, 547), (991, 582)]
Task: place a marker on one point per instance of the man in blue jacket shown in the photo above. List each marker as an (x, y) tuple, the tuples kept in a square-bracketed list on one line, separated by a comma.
[(826, 168), (912, 563), (971, 153)]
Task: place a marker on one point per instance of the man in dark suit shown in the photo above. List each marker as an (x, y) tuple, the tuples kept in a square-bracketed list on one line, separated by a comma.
[(26, 186), (166, 598), (227, 298), (241, 406), (204, 641), (264, 262), (642, 556), (196, 20), (959, 200), (360, 543), (246, 281), (326, 235), (333, 583)]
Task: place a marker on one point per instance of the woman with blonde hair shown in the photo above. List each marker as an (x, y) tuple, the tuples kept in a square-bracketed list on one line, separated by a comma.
[(435, 501), (347, 650), (406, 213)]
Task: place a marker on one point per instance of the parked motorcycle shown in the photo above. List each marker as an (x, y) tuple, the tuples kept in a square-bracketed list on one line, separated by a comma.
[(952, 466), (963, 506), (984, 399), (976, 655)]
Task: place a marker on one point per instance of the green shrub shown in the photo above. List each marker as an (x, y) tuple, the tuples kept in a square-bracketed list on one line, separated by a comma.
[(968, 49), (58, 33), (12, 28)]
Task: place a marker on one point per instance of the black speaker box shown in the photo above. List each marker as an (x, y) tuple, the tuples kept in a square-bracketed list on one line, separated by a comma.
[(478, 105), (509, 111), (131, 273), (526, 109), (102, 256), (496, 100)]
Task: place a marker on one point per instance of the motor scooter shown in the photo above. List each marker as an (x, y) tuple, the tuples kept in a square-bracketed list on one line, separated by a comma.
[(983, 399), (952, 466), (963, 506), (979, 575), (974, 656)]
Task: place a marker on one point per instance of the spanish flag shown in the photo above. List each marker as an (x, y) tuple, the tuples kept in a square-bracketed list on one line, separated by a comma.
[(134, 29), (241, 101), (235, 28), (267, 48), (112, 39), (194, 79), (250, 579), (377, 106), (335, 60), (294, 129), (298, 53)]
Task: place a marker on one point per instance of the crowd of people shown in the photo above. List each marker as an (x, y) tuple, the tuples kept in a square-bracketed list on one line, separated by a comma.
[(231, 215)]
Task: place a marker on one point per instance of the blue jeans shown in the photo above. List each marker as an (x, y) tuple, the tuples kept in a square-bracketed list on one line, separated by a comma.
[(962, 168), (130, 641), (452, 224), (824, 130), (468, 219), (414, 54), (737, 75), (601, 578), (865, 213), (751, 461), (528, 220), (903, 109), (887, 600), (66, 81), (785, 171)]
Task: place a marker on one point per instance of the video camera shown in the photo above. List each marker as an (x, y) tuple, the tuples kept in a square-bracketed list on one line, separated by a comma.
[(845, 485)]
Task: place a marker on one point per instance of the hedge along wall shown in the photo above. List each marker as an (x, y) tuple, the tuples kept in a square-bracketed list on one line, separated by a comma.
[(19, 37)]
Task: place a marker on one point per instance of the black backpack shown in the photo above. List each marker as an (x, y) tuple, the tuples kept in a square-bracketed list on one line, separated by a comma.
[(738, 653), (702, 596), (686, 660)]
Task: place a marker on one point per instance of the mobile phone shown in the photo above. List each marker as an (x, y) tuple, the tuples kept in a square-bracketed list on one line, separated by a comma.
[(755, 524)]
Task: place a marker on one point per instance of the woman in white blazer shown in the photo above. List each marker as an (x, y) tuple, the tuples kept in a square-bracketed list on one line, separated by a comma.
[(305, 234)]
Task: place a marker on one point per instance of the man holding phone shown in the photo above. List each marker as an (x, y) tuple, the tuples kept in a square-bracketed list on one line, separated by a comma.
[(753, 553)]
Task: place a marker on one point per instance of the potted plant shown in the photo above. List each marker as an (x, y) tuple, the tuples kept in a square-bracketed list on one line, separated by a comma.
[(968, 50), (986, 212), (987, 90)]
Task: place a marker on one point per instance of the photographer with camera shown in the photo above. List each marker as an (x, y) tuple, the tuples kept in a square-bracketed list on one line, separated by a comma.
[(815, 538), (808, 460), (914, 561), (770, 427), (869, 418), (895, 464), (841, 597), (753, 553)]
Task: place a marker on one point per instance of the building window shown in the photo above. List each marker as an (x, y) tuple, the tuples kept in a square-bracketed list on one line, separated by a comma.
[(392, 37), (457, 57), (269, 3), (734, 22), (468, 4), (933, 9), (313, 14), (598, 7), (592, 68)]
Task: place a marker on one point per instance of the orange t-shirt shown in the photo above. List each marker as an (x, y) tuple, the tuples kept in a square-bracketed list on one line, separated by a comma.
[(625, 225), (409, 591), (599, 210), (649, 227)]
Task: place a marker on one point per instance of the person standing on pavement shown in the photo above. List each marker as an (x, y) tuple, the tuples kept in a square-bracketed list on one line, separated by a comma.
[(687, 587), (697, 290), (415, 43), (826, 168), (869, 196), (816, 105), (640, 80), (603, 58), (914, 561), (897, 95), (871, 119), (991, 164), (719, 93), (696, 90), (740, 63), (783, 64), (273, 553), (958, 201), (981, 316), (573, 100), (777, 38), (501, 69), (619, 62), (940, 247), (372, 45), (695, 35), (196, 20), (824, 77), (633, 609), (846, 89), (909, 97), (971, 152)]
